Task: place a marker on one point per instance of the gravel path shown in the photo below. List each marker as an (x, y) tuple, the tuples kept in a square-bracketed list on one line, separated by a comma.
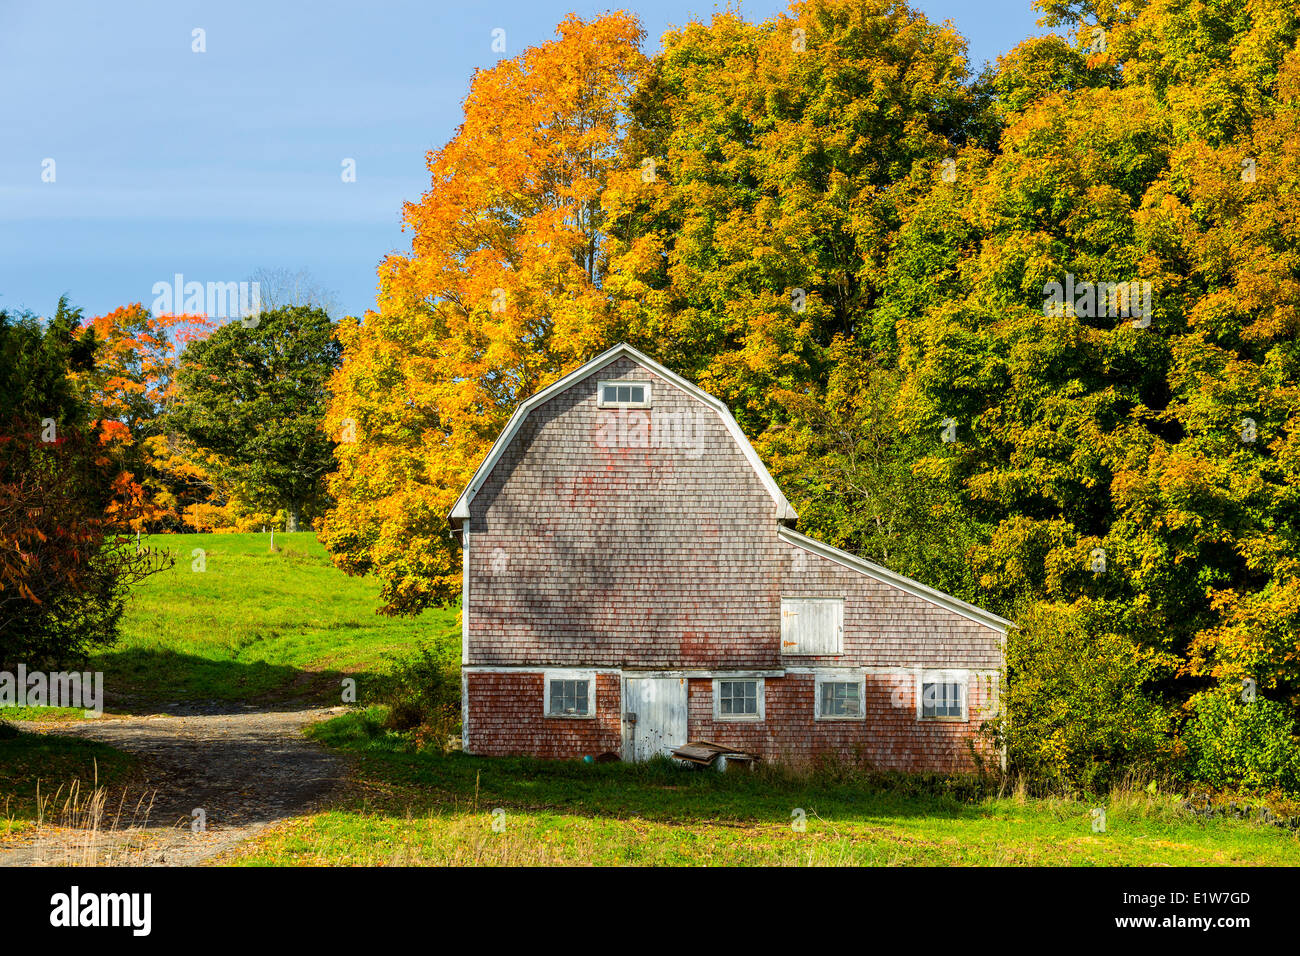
[(244, 770)]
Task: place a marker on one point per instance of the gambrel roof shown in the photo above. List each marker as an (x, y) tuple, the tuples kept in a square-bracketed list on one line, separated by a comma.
[(460, 511), (785, 514)]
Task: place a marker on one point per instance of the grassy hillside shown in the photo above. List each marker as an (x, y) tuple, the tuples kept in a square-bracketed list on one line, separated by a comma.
[(253, 626)]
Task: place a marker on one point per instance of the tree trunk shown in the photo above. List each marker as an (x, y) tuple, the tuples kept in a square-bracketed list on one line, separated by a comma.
[(291, 518)]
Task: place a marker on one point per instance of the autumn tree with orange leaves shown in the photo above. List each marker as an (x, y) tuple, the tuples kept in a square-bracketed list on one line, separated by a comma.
[(826, 220), (65, 567), (500, 292), (129, 389)]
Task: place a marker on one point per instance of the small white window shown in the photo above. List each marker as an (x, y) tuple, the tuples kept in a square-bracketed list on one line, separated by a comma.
[(812, 625), (841, 695), (623, 394), (738, 698), (942, 695), (569, 694)]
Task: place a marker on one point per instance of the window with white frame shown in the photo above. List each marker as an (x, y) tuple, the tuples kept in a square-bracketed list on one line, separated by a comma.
[(738, 698), (623, 394), (943, 695), (812, 625), (570, 694), (840, 696)]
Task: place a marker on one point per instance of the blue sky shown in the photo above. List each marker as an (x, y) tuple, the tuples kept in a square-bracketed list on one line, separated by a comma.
[(219, 163)]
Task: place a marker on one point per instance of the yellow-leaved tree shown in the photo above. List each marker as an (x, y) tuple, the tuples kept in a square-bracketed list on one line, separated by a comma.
[(500, 292)]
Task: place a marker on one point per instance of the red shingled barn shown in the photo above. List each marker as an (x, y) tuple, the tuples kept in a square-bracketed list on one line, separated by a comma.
[(633, 580)]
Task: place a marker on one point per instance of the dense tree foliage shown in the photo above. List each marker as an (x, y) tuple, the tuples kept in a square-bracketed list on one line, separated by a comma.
[(64, 568), (1030, 336), (1135, 468), (781, 154), (499, 294), (253, 394), (129, 390)]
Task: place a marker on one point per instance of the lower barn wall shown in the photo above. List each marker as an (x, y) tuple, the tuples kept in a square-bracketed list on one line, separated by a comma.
[(507, 718), (890, 738)]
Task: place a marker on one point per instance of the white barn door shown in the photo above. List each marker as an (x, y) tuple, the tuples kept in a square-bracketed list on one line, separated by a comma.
[(659, 704)]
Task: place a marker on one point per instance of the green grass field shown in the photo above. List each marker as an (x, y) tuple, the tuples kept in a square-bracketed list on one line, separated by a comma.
[(421, 808), (254, 626), (283, 628)]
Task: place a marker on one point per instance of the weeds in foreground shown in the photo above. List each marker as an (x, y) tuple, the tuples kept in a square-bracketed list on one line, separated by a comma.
[(78, 825)]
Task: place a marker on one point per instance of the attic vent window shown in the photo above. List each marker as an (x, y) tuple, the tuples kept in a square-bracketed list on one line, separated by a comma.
[(624, 395)]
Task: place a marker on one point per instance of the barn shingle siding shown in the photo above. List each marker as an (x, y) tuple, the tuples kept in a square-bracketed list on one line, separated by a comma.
[(644, 539), (889, 738), (518, 728)]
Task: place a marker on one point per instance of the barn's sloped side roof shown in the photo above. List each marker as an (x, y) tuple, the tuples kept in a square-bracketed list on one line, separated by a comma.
[(886, 576), (460, 510)]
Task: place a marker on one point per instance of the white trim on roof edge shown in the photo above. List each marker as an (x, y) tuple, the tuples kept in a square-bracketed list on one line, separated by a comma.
[(886, 576), (460, 510)]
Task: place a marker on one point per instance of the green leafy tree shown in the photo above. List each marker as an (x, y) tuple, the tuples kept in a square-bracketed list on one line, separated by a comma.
[(1039, 67), (256, 397), (1248, 744), (1137, 469), (1082, 703), (848, 470), (763, 181)]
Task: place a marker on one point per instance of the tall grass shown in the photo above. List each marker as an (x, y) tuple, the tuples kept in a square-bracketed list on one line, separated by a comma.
[(83, 825)]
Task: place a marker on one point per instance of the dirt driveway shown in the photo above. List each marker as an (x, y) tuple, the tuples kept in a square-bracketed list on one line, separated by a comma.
[(244, 771)]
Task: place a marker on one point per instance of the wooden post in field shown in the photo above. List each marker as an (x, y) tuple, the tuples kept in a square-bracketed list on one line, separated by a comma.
[(272, 539)]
